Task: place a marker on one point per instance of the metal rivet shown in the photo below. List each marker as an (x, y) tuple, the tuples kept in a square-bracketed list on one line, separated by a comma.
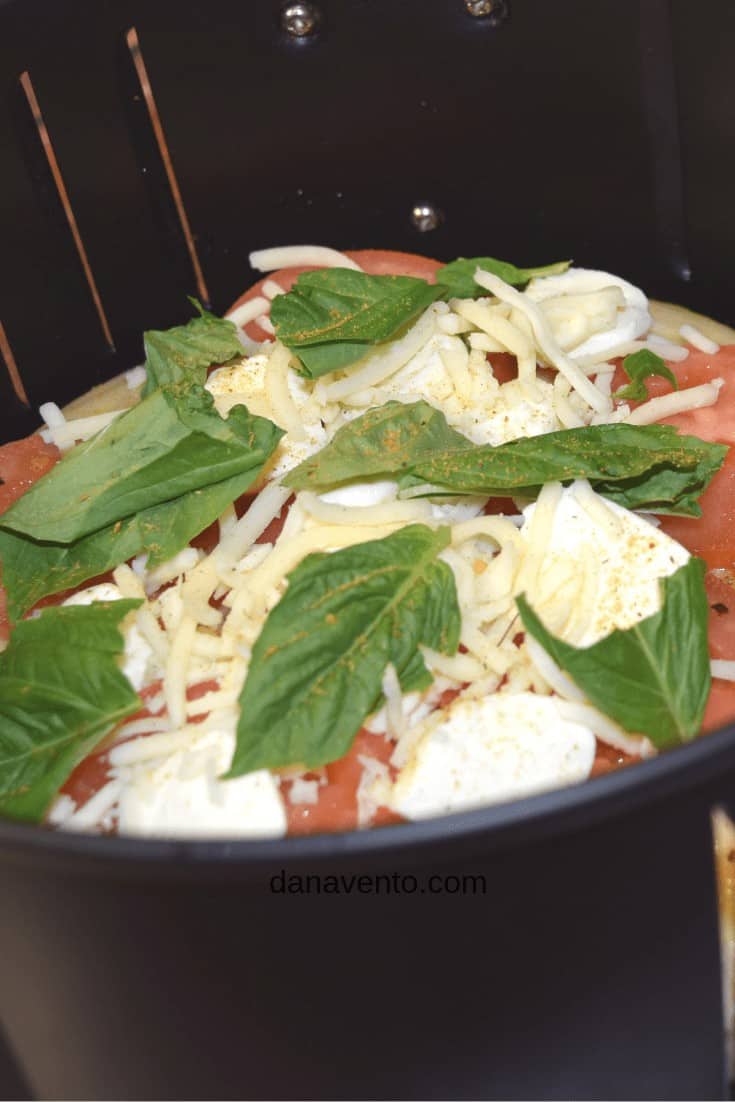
[(299, 20), (425, 217), (495, 11)]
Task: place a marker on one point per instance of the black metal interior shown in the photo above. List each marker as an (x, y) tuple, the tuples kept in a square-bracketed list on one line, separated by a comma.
[(599, 131), (590, 130)]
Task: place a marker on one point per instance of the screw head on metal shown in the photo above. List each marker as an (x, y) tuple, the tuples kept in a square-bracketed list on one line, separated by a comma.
[(426, 216), (495, 11), (299, 20)]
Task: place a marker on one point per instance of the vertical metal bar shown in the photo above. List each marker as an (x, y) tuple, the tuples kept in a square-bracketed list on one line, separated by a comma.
[(27, 86), (6, 354), (133, 43)]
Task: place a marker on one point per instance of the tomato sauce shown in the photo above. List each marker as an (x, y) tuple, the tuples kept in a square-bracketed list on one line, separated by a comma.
[(712, 537)]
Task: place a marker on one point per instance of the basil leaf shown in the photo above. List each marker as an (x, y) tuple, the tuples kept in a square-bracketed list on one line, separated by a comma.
[(653, 678), (332, 317), (639, 366), (162, 448), (32, 569), (639, 466), (178, 357), (385, 441), (458, 278), (317, 665), (61, 691)]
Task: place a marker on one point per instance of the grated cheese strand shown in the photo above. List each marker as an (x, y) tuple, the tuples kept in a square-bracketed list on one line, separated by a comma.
[(248, 311), (276, 382), (297, 256), (390, 512), (698, 340), (680, 401), (174, 683), (264, 509), (381, 364), (508, 336), (542, 332)]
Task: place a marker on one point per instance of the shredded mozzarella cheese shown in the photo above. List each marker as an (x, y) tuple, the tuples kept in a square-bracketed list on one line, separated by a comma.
[(297, 256), (698, 340)]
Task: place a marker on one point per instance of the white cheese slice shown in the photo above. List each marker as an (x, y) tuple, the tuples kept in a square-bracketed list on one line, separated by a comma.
[(624, 553), (631, 320), (242, 383), (361, 494), (497, 748), (183, 796), (138, 663), (424, 376), (511, 414)]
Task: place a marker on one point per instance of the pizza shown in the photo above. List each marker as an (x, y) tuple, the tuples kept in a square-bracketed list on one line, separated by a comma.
[(392, 539)]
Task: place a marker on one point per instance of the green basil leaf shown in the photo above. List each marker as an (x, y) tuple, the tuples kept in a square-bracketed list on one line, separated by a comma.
[(347, 309), (317, 665), (639, 366), (458, 278), (178, 357), (320, 359), (639, 466), (32, 569), (653, 678), (385, 441), (61, 691), (162, 448)]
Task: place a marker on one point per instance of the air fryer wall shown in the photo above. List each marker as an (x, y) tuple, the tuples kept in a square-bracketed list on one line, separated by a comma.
[(599, 131), (592, 129)]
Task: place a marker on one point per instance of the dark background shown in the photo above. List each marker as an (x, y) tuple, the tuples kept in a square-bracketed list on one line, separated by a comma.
[(600, 131)]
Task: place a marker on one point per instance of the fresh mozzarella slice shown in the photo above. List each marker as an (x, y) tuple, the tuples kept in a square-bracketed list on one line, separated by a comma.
[(512, 413), (182, 795), (617, 556), (478, 752), (631, 319), (242, 383), (360, 494)]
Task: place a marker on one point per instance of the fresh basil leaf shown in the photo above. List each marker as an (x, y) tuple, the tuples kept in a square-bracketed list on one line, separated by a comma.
[(639, 366), (653, 679), (32, 569), (162, 448), (639, 466), (178, 357), (317, 665), (61, 691), (385, 441), (332, 317), (458, 278), (320, 359)]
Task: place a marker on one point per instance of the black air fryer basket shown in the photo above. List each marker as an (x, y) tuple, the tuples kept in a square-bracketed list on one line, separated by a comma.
[(146, 147)]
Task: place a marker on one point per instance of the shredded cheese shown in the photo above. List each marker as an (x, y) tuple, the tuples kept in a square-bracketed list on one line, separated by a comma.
[(276, 381), (680, 401), (548, 346), (380, 365), (297, 256), (698, 340), (248, 311)]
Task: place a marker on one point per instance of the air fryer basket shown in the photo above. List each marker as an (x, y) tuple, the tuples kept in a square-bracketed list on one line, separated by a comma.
[(146, 147)]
